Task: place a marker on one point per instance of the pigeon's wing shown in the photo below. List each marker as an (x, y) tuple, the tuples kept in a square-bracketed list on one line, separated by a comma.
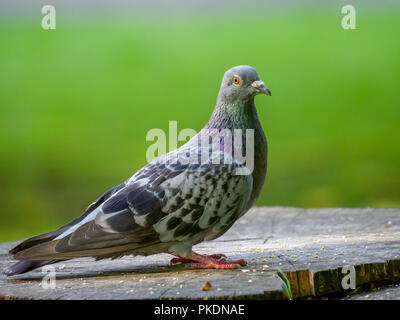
[(109, 227), (172, 203), (48, 236)]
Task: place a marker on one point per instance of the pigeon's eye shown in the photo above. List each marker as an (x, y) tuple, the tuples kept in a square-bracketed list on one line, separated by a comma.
[(236, 80)]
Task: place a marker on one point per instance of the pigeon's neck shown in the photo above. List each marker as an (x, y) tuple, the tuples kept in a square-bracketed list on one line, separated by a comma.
[(244, 116), (240, 115)]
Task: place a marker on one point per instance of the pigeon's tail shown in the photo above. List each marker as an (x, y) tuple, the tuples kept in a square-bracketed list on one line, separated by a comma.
[(26, 265)]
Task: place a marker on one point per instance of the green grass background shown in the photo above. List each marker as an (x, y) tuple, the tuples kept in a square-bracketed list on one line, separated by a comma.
[(76, 103)]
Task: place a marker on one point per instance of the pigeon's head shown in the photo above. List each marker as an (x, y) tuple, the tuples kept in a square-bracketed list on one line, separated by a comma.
[(240, 84)]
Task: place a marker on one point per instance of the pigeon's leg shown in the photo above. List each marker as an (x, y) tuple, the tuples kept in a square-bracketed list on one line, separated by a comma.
[(211, 262), (188, 260)]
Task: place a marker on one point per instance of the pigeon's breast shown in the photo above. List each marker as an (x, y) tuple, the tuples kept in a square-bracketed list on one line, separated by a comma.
[(260, 164)]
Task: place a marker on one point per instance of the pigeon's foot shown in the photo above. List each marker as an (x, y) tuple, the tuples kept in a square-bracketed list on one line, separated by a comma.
[(216, 256), (213, 261)]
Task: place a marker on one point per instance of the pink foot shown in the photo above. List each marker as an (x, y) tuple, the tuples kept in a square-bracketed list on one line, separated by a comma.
[(213, 261), (219, 265), (188, 260)]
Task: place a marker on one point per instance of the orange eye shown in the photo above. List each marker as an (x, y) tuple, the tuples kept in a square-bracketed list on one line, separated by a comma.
[(235, 80)]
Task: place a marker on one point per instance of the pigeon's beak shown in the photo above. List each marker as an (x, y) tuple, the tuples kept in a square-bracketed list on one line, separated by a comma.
[(260, 87)]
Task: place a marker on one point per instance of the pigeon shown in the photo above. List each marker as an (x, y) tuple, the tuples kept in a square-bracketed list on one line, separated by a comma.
[(192, 194)]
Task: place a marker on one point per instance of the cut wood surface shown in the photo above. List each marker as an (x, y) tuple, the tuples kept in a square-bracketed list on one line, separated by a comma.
[(310, 245)]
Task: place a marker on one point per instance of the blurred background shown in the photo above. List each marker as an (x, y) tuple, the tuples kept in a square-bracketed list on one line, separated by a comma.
[(76, 102)]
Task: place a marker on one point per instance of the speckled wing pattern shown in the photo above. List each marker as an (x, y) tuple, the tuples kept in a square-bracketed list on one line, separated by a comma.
[(165, 207)]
